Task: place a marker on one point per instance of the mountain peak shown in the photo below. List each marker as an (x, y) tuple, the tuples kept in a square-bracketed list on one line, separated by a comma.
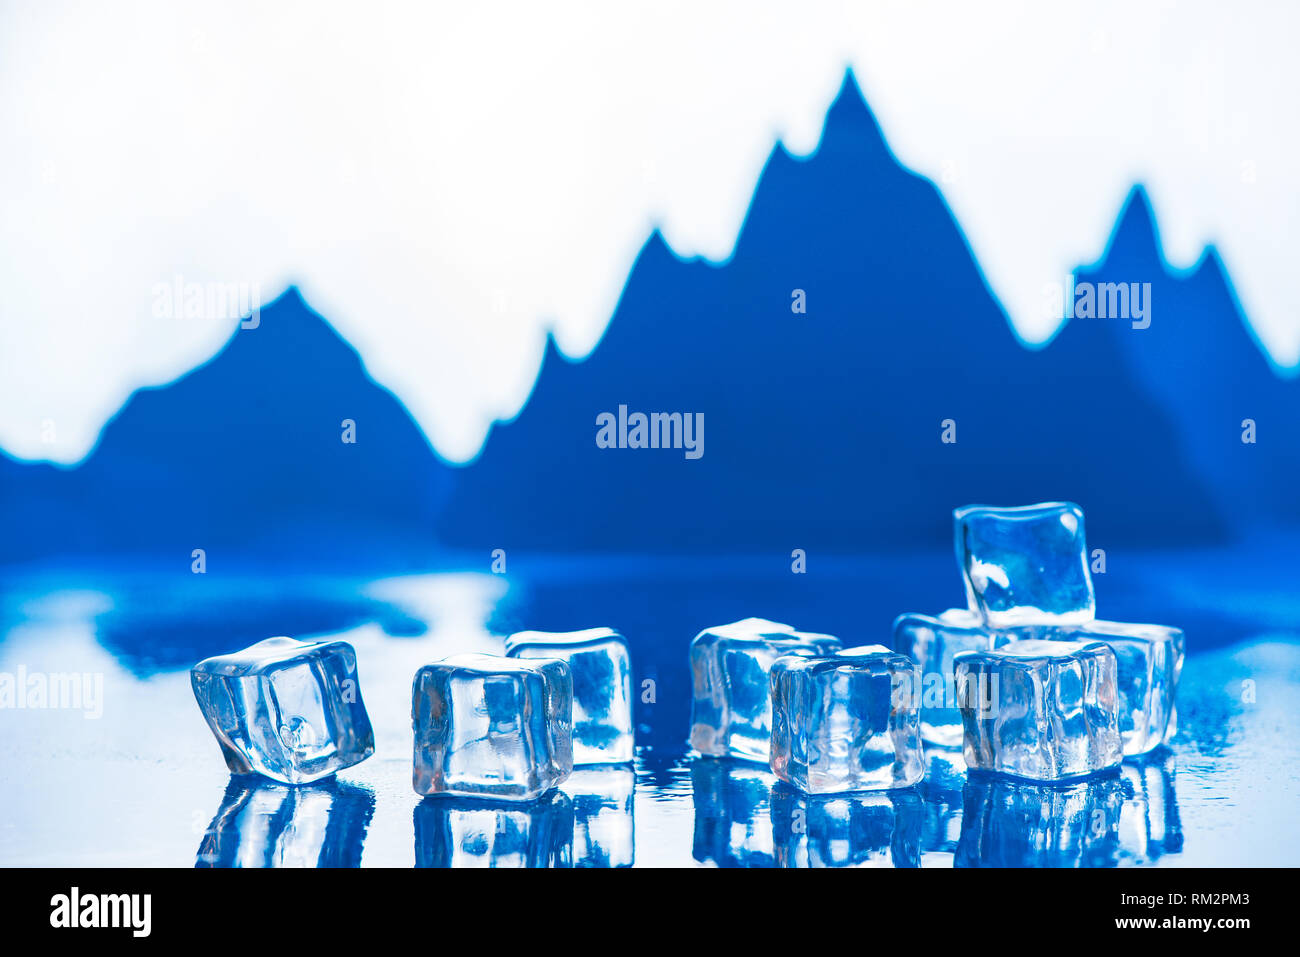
[(850, 92), (1135, 237), (274, 451), (849, 119)]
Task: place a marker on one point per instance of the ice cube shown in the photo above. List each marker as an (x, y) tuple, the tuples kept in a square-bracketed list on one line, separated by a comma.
[(262, 824), (1025, 565), (1011, 823), (477, 832), (733, 813), (603, 826), (602, 688), (487, 726), (847, 830), (1149, 659), (931, 642), (290, 710), (731, 708), (847, 722), (1040, 709)]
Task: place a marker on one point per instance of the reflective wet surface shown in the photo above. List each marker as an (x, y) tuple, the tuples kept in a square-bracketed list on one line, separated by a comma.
[(125, 771)]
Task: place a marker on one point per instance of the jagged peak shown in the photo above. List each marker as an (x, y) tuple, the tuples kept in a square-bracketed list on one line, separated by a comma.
[(850, 93), (850, 112), (289, 320), (1136, 234)]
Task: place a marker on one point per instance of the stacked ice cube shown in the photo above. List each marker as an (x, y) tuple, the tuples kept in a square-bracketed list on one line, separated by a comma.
[(1026, 678)]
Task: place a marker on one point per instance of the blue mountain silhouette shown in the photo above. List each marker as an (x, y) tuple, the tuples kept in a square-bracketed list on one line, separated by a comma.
[(243, 457), (823, 430), (1201, 361)]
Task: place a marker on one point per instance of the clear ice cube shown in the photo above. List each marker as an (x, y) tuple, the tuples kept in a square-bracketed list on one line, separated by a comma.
[(262, 824), (477, 832), (603, 823), (847, 722), (1026, 565), (487, 726), (931, 642), (849, 830), (1010, 823), (1149, 659), (1040, 709), (731, 707), (286, 709), (602, 688)]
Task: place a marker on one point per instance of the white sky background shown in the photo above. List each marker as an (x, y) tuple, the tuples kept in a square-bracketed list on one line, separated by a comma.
[(447, 183)]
